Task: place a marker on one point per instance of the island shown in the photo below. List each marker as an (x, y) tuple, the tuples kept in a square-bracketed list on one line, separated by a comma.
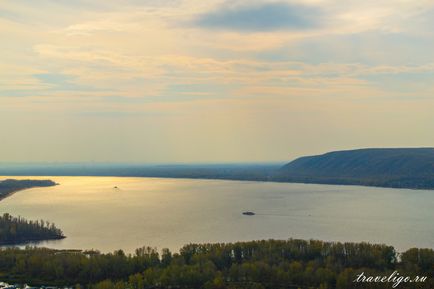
[(10, 186)]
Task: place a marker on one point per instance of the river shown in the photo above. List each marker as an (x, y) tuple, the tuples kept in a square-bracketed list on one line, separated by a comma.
[(109, 213)]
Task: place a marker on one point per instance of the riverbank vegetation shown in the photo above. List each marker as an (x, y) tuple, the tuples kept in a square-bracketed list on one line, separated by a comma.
[(10, 186), (16, 230), (268, 264), (380, 167)]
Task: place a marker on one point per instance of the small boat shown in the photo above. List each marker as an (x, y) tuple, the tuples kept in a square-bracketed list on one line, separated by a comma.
[(115, 187), (248, 213)]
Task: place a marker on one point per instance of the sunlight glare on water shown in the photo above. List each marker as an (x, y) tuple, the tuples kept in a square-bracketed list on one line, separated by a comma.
[(109, 213)]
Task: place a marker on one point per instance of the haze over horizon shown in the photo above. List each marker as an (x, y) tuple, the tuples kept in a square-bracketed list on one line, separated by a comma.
[(182, 81)]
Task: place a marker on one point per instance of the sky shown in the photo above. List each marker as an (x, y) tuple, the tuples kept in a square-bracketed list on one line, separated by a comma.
[(182, 81)]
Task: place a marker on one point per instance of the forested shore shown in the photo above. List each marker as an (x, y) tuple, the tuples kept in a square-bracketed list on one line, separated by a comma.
[(10, 186), (17, 230), (410, 168), (270, 264)]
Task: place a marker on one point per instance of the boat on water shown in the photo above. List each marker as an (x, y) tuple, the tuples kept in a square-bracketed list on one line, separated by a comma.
[(248, 213)]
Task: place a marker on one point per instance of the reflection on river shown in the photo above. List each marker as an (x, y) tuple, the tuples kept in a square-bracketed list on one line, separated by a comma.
[(109, 213)]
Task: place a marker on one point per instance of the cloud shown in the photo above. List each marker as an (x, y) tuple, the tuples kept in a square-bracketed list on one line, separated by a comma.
[(6, 14), (59, 81), (262, 18)]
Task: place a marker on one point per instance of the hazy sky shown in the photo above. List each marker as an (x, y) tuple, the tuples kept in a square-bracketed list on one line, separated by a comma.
[(212, 81)]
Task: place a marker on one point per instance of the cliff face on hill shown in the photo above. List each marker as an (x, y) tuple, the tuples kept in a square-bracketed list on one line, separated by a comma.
[(401, 168)]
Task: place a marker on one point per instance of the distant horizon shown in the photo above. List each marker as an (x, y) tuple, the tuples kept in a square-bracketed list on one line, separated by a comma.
[(206, 163), (146, 164)]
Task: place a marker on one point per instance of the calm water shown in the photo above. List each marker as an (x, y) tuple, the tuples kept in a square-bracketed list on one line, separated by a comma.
[(172, 212)]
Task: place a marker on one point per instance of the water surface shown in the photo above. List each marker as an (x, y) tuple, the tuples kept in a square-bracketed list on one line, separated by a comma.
[(173, 212)]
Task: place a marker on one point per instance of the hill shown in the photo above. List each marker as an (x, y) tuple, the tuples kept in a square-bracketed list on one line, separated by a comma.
[(384, 167)]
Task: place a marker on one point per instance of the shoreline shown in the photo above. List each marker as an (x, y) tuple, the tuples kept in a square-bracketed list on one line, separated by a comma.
[(9, 191), (228, 179), (8, 194), (29, 241)]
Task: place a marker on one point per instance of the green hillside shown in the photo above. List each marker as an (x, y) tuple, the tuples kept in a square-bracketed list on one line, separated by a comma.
[(401, 168)]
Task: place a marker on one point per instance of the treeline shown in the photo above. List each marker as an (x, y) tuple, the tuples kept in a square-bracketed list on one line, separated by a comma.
[(10, 185), (14, 230), (258, 172), (268, 264), (384, 167)]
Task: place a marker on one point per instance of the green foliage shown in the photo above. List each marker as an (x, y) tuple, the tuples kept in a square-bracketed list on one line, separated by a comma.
[(17, 230), (271, 264), (398, 168)]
